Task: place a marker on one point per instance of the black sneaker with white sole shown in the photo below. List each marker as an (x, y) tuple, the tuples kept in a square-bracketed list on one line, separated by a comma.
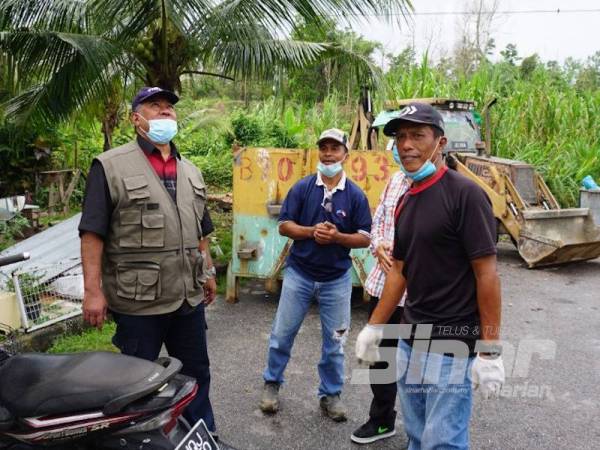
[(371, 432)]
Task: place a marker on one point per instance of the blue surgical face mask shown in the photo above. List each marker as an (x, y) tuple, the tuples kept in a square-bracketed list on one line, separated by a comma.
[(330, 170), (396, 155), (426, 170), (161, 131)]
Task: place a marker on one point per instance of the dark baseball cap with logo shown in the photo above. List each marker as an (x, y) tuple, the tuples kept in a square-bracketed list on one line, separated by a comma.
[(415, 112), (147, 92)]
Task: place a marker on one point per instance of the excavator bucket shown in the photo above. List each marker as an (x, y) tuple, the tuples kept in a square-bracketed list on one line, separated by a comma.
[(550, 237)]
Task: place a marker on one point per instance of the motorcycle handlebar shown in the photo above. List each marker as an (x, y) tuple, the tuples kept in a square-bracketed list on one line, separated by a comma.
[(11, 259)]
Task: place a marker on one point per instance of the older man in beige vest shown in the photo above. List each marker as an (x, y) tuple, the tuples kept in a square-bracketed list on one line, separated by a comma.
[(144, 249)]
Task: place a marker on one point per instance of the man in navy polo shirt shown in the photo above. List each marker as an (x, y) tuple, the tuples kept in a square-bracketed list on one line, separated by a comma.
[(326, 215)]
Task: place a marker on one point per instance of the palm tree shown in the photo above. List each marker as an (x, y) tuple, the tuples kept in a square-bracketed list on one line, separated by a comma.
[(73, 52)]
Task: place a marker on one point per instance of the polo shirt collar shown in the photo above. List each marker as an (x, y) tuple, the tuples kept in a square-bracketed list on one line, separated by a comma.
[(148, 148), (339, 187)]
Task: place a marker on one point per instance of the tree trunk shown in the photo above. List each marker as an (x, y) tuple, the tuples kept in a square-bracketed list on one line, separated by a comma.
[(110, 120), (107, 132)]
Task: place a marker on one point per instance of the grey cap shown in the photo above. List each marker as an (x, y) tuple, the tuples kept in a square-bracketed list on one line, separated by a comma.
[(420, 113), (335, 135)]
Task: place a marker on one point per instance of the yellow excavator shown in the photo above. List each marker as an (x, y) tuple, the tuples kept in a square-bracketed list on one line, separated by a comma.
[(543, 232)]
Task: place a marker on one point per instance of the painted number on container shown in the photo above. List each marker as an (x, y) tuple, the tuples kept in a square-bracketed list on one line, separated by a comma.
[(285, 169), (384, 167), (245, 169), (359, 168)]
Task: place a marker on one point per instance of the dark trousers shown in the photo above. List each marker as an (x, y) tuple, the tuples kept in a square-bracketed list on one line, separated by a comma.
[(184, 334), (382, 409)]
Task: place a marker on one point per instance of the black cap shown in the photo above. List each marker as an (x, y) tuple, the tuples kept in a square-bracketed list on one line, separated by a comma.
[(145, 93), (415, 112)]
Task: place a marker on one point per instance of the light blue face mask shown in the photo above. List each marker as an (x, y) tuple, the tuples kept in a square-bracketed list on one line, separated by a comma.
[(161, 131), (396, 155), (329, 170), (426, 170)]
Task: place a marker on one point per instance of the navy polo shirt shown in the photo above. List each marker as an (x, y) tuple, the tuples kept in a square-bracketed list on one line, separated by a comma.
[(348, 211)]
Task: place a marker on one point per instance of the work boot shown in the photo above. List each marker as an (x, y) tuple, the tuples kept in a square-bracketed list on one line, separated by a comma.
[(332, 406), (269, 402), (372, 431)]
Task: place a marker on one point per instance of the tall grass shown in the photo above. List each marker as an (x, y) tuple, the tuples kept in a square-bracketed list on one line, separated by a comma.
[(539, 118)]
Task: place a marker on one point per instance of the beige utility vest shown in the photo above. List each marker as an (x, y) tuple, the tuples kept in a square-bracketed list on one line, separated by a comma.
[(151, 262)]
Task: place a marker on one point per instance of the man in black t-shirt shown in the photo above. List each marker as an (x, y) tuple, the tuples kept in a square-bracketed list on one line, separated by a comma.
[(445, 258)]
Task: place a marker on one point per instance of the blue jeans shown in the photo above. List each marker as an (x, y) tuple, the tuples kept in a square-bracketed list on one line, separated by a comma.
[(334, 309), (436, 398), (184, 334)]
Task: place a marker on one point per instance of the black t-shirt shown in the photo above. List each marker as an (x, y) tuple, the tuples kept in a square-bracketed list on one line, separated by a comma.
[(441, 226)]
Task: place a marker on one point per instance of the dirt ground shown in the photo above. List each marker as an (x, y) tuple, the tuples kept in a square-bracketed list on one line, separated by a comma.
[(552, 404)]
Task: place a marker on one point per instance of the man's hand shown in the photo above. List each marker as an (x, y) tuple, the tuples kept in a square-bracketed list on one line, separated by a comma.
[(326, 233), (367, 343), (210, 291), (94, 308), (487, 375), (383, 257)]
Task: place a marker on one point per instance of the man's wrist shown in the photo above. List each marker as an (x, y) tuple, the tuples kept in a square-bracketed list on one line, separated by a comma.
[(335, 237), (92, 290), (489, 350), (490, 356)]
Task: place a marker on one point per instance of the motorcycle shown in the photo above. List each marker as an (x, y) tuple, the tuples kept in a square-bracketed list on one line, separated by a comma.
[(95, 401)]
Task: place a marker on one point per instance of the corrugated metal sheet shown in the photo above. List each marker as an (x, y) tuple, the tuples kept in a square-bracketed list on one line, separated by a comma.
[(57, 244)]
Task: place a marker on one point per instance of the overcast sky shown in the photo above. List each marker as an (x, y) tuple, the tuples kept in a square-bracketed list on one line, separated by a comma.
[(552, 36)]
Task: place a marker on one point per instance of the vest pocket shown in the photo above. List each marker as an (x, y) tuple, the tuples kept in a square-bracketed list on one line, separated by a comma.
[(199, 202), (130, 233), (138, 281), (153, 230), (137, 187)]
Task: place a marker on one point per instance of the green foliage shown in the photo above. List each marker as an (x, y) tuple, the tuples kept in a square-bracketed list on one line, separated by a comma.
[(90, 339), (12, 230), (216, 168), (28, 283), (540, 117), (23, 152), (510, 54), (208, 143), (246, 130), (588, 78), (343, 71), (69, 54), (297, 126), (528, 65), (221, 238)]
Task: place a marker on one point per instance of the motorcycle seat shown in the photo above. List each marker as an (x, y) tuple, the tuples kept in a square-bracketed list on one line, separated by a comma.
[(6, 419), (34, 384)]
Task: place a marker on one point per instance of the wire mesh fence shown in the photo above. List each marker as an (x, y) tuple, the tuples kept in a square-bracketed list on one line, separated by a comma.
[(48, 293)]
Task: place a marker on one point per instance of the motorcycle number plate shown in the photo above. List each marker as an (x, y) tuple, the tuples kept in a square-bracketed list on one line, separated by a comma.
[(199, 438)]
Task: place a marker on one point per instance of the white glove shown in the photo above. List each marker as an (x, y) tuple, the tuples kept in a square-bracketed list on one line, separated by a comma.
[(487, 375), (367, 343)]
